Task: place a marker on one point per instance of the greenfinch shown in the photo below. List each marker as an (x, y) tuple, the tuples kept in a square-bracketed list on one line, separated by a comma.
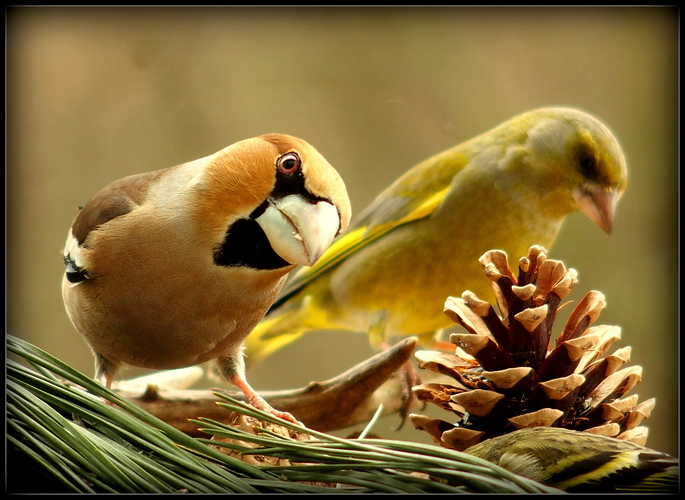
[(175, 267), (419, 241), (581, 462)]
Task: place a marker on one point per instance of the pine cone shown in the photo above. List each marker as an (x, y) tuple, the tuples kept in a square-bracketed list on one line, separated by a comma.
[(508, 376)]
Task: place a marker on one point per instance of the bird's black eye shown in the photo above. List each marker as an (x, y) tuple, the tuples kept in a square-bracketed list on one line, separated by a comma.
[(288, 163), (587, 164)]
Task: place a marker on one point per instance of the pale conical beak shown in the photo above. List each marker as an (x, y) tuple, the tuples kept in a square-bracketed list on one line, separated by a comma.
[(598, 204), (298, 230)]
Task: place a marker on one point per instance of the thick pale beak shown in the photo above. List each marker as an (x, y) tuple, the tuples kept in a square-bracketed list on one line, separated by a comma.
[(598, 204), (299, 230)]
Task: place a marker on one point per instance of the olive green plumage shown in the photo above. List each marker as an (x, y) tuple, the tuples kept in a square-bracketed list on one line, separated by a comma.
[(581, 462), (419, 241)]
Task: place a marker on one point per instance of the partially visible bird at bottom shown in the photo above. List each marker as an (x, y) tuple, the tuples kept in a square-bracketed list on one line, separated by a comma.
[(581, 462), (175, 267)]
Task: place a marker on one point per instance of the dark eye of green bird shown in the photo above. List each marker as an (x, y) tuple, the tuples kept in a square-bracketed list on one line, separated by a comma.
[(587, 164)]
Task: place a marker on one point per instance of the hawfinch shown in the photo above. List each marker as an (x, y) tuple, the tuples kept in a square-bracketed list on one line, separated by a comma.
[(420, 240), (175, 267)]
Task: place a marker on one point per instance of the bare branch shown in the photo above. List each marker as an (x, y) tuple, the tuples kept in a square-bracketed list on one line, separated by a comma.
[(348, 399)]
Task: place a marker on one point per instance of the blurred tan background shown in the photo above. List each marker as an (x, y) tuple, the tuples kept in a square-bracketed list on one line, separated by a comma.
[(97, 94)]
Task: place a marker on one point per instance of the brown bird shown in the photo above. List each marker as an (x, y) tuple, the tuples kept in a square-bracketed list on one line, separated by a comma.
[(175, 267)]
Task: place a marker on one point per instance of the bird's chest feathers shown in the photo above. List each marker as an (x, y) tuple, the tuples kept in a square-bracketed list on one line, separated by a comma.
[(172, 289)]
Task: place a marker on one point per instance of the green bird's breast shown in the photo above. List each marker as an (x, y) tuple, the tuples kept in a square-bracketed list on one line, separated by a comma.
[(408, 274)]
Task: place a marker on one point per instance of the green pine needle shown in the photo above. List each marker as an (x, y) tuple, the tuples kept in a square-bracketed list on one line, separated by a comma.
[(84, 445)]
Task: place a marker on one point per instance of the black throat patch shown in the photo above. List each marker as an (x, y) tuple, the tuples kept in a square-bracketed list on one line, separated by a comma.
[(246, 244)]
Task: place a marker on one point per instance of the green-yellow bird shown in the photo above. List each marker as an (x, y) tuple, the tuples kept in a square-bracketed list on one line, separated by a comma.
[(419, 241), (581, 462)]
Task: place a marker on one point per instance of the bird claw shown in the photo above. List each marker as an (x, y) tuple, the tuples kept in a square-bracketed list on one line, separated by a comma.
[(285, 416), (409, 377), (259, 402)]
